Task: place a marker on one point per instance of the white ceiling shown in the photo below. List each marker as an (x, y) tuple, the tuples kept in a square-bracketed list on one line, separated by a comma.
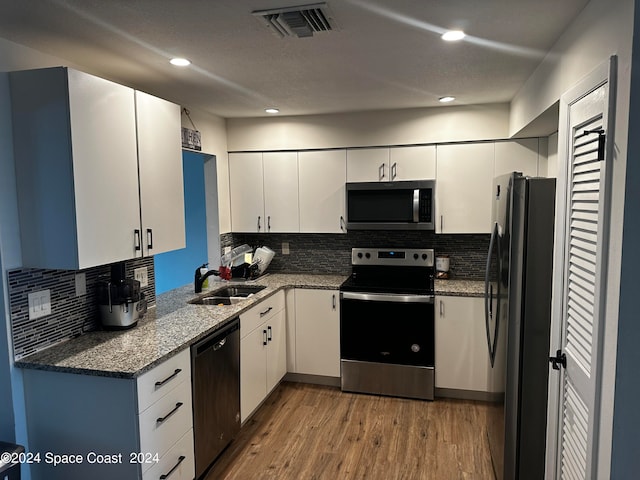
[(384, 54)]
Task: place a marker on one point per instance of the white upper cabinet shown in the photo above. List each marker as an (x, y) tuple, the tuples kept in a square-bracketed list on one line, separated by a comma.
[(321, 182), (391, 164), (76, 151), (368, 165), (264, 192), (281, 191), (161, 179), (412, 163), (76, 168), (517, 156), (464, 186), (247, 192)]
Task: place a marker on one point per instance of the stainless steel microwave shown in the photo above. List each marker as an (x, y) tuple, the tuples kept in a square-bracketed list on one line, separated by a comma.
[(391, 205)]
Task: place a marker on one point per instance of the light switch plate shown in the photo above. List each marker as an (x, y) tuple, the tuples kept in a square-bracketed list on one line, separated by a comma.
[(140, 274), (285, 248), (39, 304), (81, 284)]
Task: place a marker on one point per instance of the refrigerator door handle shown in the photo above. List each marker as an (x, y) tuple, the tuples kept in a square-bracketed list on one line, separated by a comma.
[(488, 292)]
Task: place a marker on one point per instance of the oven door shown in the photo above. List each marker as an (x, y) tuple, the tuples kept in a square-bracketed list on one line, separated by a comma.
[(387, 344)]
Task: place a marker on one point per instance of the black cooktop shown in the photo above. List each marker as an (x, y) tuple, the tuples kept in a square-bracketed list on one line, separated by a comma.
[(406, 271)]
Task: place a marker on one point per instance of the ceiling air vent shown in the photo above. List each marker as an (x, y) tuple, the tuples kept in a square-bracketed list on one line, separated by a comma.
[(300, 21)]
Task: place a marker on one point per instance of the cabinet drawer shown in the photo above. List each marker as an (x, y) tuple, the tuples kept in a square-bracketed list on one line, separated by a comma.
[(164, 422), (177, 464), (256, 316), (158, 381)]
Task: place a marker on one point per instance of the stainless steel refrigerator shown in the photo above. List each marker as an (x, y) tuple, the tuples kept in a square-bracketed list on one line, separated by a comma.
[(517, 315)]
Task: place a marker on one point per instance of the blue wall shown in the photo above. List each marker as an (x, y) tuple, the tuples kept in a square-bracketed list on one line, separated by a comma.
[(175, 269)]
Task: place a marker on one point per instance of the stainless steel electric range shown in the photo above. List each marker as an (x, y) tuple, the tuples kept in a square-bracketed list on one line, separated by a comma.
[(387, 323)]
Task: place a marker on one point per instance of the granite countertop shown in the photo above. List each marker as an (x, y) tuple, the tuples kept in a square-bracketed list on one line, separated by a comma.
[(166, 329), (174, 325), (459, 288)]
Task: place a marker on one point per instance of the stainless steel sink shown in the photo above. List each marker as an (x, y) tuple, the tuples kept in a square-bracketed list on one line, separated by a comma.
[(227, 295), (238, 291)]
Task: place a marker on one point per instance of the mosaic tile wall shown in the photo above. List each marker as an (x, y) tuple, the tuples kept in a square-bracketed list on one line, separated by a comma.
[(70, 315), (331, 253)]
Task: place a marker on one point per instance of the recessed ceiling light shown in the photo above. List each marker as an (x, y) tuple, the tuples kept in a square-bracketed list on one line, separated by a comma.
[(272, 110), (446, 99), (453, 35), (180, 62)]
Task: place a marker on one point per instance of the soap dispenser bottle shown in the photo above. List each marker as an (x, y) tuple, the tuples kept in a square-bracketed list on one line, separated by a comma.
[(203, 271)]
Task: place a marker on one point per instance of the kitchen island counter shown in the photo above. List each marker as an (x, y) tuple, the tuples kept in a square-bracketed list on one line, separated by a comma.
[(166, 329)]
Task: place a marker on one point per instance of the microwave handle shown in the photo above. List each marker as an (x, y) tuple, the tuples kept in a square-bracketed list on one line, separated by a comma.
[(416, 205)]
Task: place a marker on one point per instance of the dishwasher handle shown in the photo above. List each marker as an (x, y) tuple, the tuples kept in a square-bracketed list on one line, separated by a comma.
[(216, 340)]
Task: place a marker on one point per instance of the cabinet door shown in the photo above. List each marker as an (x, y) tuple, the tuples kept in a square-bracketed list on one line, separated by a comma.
[(247, 192), (322, 176), (317, 332), (412, 163), (161, 179), (368, 165), (463, 190), (517, 156), (276, 349), (105, 170), (280, 191), (253, 381), (462, 359)]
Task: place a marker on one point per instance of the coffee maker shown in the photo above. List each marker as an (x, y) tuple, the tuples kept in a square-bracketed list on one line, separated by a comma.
[(120, 301)]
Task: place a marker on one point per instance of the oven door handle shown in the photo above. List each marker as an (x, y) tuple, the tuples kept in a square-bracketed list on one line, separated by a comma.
[(387, 297)]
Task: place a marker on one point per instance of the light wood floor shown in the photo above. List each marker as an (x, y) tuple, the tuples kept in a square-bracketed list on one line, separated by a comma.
[(305, 432)]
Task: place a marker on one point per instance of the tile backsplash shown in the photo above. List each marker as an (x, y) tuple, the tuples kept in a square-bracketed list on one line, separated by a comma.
[(331, 253), (70, 315), (73, 315)]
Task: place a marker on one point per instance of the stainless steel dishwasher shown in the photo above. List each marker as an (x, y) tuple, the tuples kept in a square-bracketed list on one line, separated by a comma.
[(215, 364)]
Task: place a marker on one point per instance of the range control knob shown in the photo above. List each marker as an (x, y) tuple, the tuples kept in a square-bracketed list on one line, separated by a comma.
[(368, 255), (415, 256), (424, 256), (359, 254)]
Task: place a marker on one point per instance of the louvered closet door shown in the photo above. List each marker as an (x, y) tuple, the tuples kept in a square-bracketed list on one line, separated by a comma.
[(583, 285)]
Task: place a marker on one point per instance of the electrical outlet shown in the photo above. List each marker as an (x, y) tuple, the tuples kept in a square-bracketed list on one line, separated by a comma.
[(81, 284), (39, 304), (285, 248), (140, 274)]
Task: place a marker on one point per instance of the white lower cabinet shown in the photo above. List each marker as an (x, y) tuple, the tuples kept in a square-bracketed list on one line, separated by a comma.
[(263, 354), (169, 417), (317, 332), (144, 424), (177, 463), (461, 356)]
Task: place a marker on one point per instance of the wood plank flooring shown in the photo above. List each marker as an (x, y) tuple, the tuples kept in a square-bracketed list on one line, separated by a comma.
[(311, 432)]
